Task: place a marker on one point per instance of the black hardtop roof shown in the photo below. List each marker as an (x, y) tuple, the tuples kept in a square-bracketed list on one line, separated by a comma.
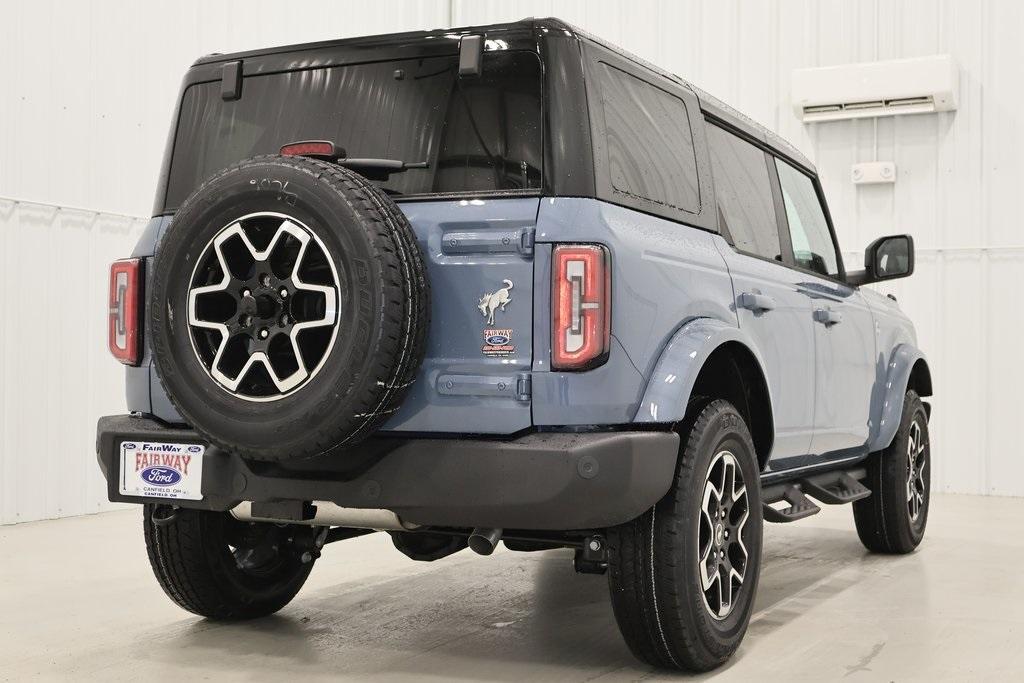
[(528, 25), (709, 104)]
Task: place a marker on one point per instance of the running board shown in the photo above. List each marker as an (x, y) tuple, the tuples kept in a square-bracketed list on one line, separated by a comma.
[(832, 488)]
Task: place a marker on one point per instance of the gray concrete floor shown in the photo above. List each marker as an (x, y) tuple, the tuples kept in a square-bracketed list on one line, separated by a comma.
[(78, 601)]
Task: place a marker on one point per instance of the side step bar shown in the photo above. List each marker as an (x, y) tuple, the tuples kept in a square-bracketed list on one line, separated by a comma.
[(800, 506), (831, 488), (845, 490)]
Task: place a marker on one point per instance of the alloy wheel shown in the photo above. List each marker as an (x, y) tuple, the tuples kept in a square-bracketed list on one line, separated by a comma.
[(263, 306), (916, 461), (722, 554)]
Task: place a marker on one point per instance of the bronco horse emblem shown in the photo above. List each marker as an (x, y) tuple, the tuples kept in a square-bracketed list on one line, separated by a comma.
[(489, 303)]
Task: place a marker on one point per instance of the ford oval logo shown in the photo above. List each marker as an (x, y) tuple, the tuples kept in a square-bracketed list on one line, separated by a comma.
[(160, 476), (194, 449), (497, 340), (130, 446)]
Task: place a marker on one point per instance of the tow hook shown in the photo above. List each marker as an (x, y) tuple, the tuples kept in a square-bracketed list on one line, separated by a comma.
[(164, 515), (592, 558)]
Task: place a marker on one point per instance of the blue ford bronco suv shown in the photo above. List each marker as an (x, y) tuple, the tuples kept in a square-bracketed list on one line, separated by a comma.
[(501, 284)]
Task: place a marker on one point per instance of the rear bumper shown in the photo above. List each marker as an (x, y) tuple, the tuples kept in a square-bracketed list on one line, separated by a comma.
[(543, 481)]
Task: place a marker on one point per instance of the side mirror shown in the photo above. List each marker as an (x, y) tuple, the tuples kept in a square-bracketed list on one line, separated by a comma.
[(887, 258)]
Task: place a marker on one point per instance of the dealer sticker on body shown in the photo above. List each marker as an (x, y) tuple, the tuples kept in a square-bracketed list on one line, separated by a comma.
[(162, 470)]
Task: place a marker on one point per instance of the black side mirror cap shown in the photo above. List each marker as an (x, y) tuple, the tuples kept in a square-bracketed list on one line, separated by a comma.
[(887, 258)]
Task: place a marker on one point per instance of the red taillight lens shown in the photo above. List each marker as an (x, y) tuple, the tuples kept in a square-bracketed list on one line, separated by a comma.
[(312, 148), (123, 317), (581, 297)]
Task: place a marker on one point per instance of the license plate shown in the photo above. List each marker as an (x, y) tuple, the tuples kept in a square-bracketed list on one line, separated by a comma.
[(162, 470)]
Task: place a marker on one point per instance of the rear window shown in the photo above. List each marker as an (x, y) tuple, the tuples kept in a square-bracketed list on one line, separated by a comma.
[(650, 145), (478, 135)]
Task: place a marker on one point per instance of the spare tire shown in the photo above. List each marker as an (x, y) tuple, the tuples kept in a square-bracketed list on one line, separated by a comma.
[(288, 308)]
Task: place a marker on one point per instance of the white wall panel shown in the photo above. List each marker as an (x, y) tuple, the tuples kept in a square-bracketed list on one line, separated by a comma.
[(56, 376), (88, 88)]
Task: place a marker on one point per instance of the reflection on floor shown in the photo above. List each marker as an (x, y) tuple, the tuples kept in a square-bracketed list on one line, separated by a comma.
[(77, 600)]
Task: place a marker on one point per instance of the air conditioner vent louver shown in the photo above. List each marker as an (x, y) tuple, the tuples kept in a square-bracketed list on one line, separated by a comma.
[(921, 85)]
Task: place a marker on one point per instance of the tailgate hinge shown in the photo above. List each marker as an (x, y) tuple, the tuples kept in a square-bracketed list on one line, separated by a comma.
[(518, 386), (526, 240), (524, 387), (231, 80)]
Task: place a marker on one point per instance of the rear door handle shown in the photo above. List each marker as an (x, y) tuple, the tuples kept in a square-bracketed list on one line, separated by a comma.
[(827, 317), (755, 302)]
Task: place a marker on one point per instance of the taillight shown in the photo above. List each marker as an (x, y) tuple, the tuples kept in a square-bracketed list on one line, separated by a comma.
[(581, 296), (123, 317)]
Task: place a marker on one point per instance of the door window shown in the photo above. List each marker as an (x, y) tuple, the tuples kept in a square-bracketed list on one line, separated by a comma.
[(745, 208), (813, 247)]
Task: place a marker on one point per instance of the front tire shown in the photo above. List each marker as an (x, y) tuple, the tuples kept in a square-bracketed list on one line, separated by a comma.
[(218, 567), (893, 518), (683, 576)]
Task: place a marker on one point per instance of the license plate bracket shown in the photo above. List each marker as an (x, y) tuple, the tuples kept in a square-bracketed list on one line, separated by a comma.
[(150, 469)]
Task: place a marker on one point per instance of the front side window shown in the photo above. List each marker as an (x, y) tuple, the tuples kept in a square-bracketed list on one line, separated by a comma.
[(746, 211), (813, 248), (477, 135), (650, 145)]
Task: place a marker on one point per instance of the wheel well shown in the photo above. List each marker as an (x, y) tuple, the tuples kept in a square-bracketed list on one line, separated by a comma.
[(920, 378), (732, 373)]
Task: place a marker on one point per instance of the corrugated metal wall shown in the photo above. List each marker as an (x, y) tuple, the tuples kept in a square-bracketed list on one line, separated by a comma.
[(85, 101), (56, 376)]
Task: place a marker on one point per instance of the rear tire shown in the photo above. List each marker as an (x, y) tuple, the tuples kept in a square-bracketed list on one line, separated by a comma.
[(217, 567), (893, 518), (660, 563)]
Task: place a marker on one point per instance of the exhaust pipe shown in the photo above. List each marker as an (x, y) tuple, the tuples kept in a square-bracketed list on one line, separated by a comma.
[(331, 514), (483, 540)]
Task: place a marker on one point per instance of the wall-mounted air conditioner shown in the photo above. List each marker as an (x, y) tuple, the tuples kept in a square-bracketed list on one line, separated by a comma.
[(920, 85)]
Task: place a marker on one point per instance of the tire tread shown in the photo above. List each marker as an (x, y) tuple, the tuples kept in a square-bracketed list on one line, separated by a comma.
[(653, 614), (180, 556)]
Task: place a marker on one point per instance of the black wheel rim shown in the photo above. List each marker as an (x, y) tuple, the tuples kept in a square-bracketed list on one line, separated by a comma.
[(263, 306), (917, 460), (721, 548)]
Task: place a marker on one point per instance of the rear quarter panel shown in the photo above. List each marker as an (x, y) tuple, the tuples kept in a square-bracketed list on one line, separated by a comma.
[(664, 275)]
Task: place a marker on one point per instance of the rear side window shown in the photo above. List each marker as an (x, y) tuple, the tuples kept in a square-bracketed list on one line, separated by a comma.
[(743, 187), (478, 135), (650, 145), (813, 247)]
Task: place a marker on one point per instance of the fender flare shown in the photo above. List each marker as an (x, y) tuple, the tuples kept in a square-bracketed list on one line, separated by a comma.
[(897, 377), (670, 384)]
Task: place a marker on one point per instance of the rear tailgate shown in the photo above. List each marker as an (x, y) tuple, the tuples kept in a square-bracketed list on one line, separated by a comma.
[(475, 377), (403, 99)]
